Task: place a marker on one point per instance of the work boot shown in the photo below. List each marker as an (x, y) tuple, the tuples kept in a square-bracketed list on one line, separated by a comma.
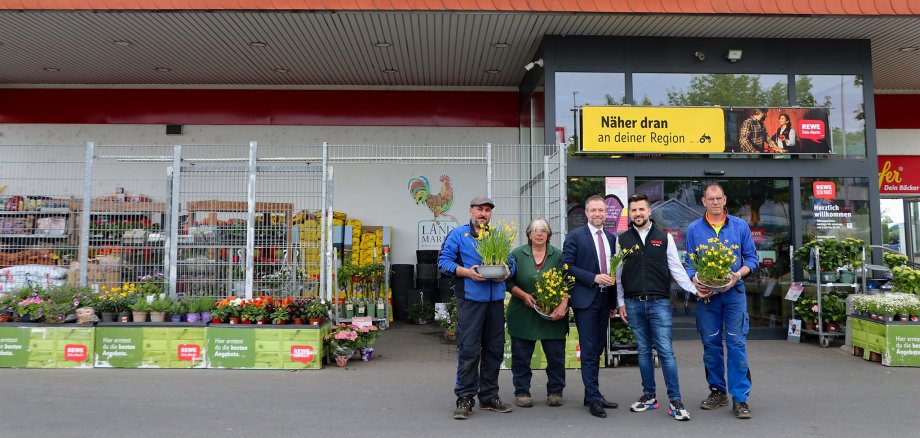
[(554, 400), (496, 404), (741, 410), (464, 409), (523, 401), (716, 400)]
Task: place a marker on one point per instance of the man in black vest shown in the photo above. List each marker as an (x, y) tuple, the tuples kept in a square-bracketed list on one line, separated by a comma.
[(643, 301)]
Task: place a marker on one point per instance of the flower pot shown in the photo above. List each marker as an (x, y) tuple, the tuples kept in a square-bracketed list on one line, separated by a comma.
[(139, 316), (245, 321), (362, 310), (810, 326), (215, 320), (367, 354), (873, 315), (124, 317), (371, 310), (109, 316), (298, 321), (315, 321), (349, 310), (914, 318), (812, 276), (848, 277), (175, 318), (193, 317), (833, 327), (829, 277), (888, 318), (341, 361), (25, 318), (492, 272), (279, 322), (205, 316), (157, 316), (904, 317), (450, 336), (234, 320)]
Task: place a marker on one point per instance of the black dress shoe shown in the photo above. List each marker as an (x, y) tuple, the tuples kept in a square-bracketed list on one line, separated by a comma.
[(597, 409), (605, 403)]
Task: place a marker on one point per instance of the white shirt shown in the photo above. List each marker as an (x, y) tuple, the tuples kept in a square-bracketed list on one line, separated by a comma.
[(674, 265), (597, 249)]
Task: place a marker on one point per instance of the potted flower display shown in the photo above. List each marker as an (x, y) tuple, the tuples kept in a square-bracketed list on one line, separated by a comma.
[(367, 336), (449, 323), (280, 313), (31, 308), (851, 253), (342, 340), (493, 244), (140, 309), (833, 312), (316, 312), (176, 310), (713, 262), (229, 308), (421, 313), (159, 307), (552, 291), (7, 307), (807, 310)]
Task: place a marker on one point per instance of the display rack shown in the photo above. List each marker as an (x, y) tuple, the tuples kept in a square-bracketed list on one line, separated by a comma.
[(825, 338)]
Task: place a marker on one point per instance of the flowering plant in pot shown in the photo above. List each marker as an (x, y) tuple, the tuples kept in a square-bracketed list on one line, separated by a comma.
[(713, 262), (342, 340), (316, 311), (280, 313), (493, 244), (807, 310), (366, 338), (152, 284), (159, 307), (421, 313), (253, 311), (449, 324), (32, 308), (176, 310), (552, 291), (7, 307), (230, 309)]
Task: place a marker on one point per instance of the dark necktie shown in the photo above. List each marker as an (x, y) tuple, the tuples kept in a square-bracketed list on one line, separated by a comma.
[(600, 244)]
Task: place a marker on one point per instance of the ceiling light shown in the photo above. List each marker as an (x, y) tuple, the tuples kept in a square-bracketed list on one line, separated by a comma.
[(163, 69), (501, 45), (908, 49), (121, 43), (391, 71), (734, 55), (493, 71), (51, 69), (382, 45), (281, 70), (257, 44)]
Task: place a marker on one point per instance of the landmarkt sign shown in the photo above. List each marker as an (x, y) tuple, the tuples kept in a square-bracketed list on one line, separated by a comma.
[(612, 129)]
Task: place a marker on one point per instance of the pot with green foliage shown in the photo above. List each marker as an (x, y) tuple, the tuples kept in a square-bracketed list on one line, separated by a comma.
[(833, 312), (421, 313), (205, 307), (140, 309), (851, 253), (316, 312), (807, 310), (177, 310), (158, 309)]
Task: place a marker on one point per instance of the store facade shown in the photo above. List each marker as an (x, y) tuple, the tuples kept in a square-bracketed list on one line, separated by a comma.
[(775, 193)]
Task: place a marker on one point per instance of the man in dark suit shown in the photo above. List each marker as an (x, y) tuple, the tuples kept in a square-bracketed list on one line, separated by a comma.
[(587, 252)]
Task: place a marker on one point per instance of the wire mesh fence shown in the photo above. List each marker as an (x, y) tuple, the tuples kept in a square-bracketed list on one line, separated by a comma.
[(528, 182), (39, 189), (238, 219)]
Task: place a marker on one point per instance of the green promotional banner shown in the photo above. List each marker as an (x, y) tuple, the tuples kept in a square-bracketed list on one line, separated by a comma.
[(903, 345), (45, 346), (265, 347), (123, 346)]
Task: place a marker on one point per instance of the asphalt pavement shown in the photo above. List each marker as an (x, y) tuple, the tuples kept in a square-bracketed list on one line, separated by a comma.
[(407, 391)]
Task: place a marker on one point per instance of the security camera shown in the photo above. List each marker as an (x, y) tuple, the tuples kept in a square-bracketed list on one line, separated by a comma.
[(700, 55), (530, 65)]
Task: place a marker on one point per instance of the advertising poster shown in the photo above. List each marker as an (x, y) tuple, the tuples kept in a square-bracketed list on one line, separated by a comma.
[(615, 197), (704, 130), (46, 347)]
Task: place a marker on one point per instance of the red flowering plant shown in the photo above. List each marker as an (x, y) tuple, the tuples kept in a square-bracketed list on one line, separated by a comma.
[(367, 335), (342, 339)]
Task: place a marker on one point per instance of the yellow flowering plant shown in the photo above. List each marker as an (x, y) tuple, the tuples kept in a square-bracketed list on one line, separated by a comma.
[(551, 289), (116, 299), (617, 259), (713, 262), (493, 243)]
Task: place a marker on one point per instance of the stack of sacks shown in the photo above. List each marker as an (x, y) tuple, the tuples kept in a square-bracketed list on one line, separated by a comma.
[(355, 241), (368, 248)]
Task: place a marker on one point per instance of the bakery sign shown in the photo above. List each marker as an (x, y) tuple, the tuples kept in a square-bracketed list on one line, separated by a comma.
[(899, 174)]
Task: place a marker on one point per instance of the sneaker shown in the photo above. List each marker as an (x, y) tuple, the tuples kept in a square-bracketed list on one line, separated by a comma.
[(677, 410), (716, 400), (741, 410), (497, 405), (464, 409), (644, 403), (554, 400), (524, 401)]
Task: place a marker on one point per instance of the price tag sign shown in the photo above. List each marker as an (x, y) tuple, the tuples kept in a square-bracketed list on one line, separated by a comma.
[(362, 321), (795, 290)]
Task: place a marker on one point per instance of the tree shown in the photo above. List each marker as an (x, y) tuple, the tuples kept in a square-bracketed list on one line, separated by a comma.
[(803, 94), (728, 90)]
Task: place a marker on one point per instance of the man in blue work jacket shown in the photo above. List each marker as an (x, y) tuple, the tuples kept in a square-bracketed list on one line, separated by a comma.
[(480, 315), (723, 316)]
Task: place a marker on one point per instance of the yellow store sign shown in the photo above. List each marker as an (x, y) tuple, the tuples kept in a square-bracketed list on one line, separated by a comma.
[(618, 129)]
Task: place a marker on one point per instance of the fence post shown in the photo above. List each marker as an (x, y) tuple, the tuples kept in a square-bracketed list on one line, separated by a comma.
[(489, 170), (251, 220), (170, 262), (323, 263), (546, 184), (562, 192), (84, 211), (327, 248)]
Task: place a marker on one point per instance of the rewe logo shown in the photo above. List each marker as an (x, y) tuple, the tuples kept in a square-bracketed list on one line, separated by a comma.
[(189, 352), (824, 189), (75, 352), (302, 353)]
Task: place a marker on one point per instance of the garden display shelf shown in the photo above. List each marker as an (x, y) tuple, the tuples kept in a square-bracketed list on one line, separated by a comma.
[(897, 342), (150, 345), (29, 345)]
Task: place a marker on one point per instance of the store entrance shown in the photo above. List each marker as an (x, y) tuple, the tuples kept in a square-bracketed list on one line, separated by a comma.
[(764, 203), (912, 220)]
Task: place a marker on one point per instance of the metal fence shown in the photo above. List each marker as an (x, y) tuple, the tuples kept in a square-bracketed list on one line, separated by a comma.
[(222, 220)]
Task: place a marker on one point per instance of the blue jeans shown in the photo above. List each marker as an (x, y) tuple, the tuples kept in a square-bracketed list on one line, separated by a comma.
[(725, 319), (522, 354), (480, 348), (650, 322)]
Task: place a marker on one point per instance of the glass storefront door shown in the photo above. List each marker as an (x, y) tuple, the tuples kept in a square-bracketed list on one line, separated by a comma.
[(764, 203)]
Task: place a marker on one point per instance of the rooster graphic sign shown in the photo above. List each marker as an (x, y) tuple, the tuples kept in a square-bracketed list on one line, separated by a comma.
[(439, 203)]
